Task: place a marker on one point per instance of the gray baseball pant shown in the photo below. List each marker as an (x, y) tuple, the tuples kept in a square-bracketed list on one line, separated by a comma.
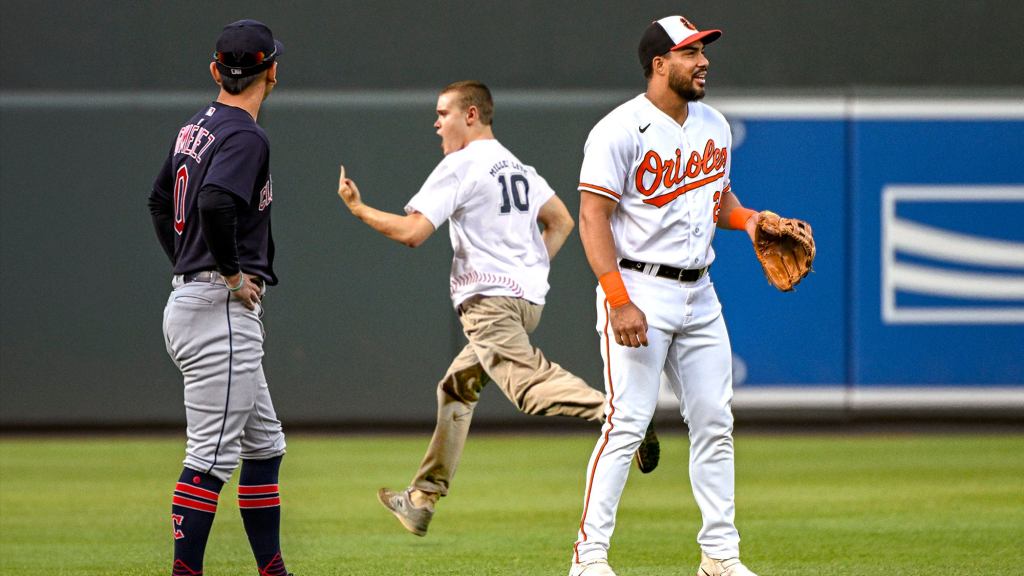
[(217, 344)]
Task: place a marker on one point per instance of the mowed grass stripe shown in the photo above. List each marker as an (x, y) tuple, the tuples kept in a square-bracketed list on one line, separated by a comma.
[(807, 505)]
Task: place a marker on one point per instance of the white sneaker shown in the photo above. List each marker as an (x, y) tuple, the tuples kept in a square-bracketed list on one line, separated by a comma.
[(413, 518), (592, 568), (727, 567)]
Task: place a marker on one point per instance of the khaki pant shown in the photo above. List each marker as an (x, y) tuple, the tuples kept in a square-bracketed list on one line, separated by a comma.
[(499, 349)]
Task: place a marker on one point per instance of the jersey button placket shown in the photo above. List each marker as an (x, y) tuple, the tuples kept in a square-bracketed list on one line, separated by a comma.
[(685, 149)]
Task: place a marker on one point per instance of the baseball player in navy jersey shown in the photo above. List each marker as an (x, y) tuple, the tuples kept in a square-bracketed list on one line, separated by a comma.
[(654, 188), (211, 208), (499, 279)]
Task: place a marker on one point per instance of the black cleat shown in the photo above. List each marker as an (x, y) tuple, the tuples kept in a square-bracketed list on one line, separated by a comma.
[(649, 452)]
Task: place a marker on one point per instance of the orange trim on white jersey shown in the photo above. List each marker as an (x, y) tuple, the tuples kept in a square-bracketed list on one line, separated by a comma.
[(583, 186)]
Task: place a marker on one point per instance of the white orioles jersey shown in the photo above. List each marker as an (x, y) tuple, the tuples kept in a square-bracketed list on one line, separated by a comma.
[(668, 180), (490, 200)]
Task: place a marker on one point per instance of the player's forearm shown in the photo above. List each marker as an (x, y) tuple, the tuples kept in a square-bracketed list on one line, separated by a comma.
[(554, 237), (162, 213), (598, 243), (558, 224), (398, 228), (733, 216), (163, 223), (219, 220)]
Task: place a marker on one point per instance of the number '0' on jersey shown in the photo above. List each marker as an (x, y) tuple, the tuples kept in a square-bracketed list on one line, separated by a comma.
[(668, 180)]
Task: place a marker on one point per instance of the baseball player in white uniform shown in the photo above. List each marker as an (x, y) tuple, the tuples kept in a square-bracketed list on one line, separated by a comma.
[(499, 280), (654, 188)]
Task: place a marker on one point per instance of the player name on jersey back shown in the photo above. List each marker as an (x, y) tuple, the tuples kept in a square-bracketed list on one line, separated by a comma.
[(499, 166), (193, 141)]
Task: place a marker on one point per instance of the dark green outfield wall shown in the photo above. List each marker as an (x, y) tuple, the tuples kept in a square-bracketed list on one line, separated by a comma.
[(357, 319), (360, 328)]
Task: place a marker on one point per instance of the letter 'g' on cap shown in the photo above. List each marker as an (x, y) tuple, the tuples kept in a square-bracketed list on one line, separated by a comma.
[(671, 33), (245, 48)]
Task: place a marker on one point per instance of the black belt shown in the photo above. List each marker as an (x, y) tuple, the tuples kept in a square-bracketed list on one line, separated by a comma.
[(663, 271), (213, 278)]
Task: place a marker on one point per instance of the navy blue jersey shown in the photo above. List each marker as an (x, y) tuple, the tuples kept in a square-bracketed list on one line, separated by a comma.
[(220, 146)]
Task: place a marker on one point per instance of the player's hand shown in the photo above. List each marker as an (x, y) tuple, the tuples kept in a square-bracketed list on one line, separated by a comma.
[(248, 294), (348, 191), (629, 324)]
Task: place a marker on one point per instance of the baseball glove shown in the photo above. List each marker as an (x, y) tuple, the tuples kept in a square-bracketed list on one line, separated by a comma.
[(785, 248)]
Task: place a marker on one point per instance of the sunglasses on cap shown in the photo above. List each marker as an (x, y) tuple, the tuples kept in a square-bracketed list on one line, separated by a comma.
[(243, 60)]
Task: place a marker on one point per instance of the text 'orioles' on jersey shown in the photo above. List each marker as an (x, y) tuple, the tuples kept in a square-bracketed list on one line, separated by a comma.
[(675, 177), (221, 146)]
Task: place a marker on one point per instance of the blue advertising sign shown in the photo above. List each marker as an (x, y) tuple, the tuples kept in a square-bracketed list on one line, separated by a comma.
[(938, 244), (918, 214), (795, 168)]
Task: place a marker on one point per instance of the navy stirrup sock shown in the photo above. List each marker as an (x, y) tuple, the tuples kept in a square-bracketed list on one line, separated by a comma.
[(192, 511), (260, 505)]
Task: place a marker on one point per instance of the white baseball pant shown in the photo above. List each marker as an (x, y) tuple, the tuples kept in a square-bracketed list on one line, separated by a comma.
[(688, 341)]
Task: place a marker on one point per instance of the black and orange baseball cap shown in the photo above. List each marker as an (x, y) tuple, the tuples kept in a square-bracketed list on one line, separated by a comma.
[(671, 33), (245, 48)]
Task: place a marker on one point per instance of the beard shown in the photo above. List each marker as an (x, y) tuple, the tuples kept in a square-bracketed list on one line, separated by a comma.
[(684, 86)]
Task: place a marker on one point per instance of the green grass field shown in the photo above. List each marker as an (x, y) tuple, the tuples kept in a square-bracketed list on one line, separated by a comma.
[(807, 505)]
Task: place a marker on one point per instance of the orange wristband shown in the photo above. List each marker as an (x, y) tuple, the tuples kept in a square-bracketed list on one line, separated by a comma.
[(614, 289), (738, 218)]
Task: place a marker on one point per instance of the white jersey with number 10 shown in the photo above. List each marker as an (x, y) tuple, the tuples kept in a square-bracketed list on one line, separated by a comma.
[(491, 201)]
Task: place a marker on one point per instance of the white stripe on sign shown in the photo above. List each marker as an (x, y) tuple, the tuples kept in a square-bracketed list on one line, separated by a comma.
[(955, 283), (921, 240)]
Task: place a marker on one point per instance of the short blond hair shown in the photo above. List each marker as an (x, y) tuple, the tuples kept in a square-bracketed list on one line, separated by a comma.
[(474, 93)]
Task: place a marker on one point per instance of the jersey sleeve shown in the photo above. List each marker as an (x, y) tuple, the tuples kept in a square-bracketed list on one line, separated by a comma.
[(164, 180), (437, 199), (237, 164), (606, 161), (541, 191), (161, 208)]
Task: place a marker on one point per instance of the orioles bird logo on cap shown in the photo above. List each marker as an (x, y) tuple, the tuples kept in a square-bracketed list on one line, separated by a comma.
[(687, 24)]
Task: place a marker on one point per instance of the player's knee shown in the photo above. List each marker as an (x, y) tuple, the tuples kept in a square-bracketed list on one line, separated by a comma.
[(464, 385), (633, 425), (711, 421), (533, 406), (530, 399)]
